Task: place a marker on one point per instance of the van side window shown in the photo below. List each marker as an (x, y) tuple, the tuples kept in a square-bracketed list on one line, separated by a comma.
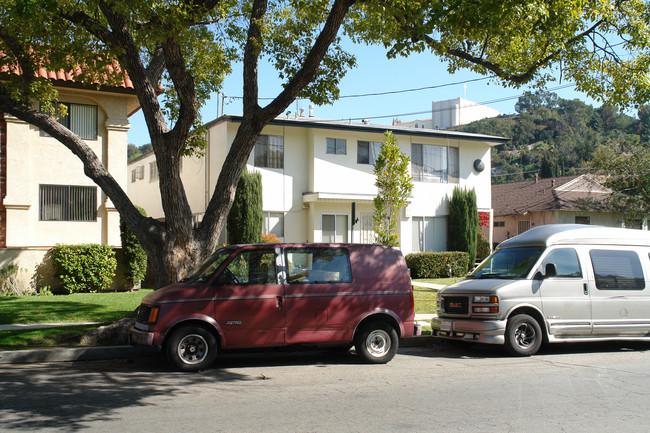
[(251, 267), (566, 261), (617, 270), (318, 265)]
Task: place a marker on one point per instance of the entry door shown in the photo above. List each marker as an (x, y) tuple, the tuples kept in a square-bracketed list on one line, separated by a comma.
[(249, 301), (565, 297)]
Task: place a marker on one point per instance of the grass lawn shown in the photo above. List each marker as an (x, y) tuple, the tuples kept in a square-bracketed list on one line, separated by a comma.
[(425, 297), (80, 307)]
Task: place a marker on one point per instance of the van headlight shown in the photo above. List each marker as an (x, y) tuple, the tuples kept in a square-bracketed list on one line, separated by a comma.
[(485, 309)]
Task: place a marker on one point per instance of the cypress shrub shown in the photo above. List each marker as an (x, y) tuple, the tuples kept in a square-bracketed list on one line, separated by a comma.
[(445, 264), (245, 220), (463, 223), (84, 268), (135, 258)]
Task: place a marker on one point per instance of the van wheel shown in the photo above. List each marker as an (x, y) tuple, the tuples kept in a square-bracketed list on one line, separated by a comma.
[(376, 342), (523, 335), (191, 348)]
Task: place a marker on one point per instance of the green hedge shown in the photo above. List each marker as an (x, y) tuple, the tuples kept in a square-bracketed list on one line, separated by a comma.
[(84, 268), (438, 264)]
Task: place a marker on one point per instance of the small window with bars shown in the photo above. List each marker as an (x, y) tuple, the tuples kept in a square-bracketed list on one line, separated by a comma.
[(67, 203)]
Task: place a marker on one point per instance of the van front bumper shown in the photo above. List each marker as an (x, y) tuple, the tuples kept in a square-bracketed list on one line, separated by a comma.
[(138, 337), (480, 331)]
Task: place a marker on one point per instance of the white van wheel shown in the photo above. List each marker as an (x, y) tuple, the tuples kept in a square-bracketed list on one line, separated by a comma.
[(523, 335), (191, 348), (376, 342)]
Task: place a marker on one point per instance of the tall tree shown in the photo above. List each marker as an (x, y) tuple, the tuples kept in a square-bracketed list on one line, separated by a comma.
[(394, 184), (627, 173), (463, 222), (246, 219), (189, 47)]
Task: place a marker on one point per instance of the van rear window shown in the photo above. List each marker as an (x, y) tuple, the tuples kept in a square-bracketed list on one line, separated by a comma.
[(318, 265), (617, 270)]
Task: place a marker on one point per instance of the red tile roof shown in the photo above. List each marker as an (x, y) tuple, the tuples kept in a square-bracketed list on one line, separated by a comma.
[(69, 76)]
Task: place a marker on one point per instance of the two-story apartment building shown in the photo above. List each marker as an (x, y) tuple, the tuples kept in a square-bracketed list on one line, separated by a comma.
[(45, 197), (314, 170)]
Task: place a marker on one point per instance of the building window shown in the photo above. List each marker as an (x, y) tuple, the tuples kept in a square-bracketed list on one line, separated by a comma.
[(137, 173), (522, 226), (336, 146), (499, 224), (429, 234), (438, 164), (274, 223), (582, 220), (153, 171), (367, 152), (334, 228), (269, 151), (67, 203), (81, 119)]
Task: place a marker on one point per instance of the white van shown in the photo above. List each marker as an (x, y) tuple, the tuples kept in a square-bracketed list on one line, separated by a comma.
[(553, 283)]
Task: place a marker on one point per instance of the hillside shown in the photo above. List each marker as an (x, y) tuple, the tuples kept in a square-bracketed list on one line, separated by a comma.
[(551, 136)]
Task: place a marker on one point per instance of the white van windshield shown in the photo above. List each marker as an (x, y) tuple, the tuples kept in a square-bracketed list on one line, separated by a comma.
[(509, 263)]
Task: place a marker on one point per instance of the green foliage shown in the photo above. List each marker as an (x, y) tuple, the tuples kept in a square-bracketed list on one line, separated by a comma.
[(10, 285), (445, 264), (84, 268), (246, 219), (462, 230), (627, 172), (135, 258), (482, 246), (551, 136), (394, 184), (519, 41)]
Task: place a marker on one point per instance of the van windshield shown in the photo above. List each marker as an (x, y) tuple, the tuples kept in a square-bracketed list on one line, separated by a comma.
[(508, 263), (203, 273)]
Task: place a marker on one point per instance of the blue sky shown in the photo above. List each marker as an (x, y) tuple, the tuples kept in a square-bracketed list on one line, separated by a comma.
[(373, 74)]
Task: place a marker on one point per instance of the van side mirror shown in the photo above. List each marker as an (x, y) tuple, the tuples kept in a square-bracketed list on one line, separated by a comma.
[(550, 270)]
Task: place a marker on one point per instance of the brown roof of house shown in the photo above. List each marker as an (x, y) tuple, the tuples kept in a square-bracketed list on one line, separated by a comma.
[(584, 192)]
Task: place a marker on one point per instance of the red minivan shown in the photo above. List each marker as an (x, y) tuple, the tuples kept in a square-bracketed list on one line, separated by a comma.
[(266, 295)]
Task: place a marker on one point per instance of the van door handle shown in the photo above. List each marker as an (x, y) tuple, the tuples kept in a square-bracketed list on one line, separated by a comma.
[(585, 288), (279, 299)]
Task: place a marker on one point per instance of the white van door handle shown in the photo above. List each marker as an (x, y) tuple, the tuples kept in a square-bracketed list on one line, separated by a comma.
[(585, 288)]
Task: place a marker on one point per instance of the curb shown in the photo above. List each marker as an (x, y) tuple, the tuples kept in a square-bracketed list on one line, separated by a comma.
[(72, 354)]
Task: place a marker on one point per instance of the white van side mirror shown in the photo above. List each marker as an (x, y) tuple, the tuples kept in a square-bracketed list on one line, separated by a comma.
[(550, 270)]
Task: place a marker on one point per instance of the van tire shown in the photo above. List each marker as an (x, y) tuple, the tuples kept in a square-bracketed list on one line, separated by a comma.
[(191, 348), (376, 342), (523, 335)]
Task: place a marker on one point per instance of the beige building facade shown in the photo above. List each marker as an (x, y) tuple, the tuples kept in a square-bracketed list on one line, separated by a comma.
[(46, 199), (314, 171)]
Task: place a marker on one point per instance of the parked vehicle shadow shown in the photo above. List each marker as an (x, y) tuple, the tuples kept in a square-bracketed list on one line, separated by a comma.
[(460, 349)]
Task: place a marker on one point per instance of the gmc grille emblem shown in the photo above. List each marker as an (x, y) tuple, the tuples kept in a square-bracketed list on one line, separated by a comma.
[(455, 305)]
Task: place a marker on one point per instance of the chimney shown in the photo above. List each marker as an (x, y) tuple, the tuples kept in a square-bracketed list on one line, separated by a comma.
[(311, 110)]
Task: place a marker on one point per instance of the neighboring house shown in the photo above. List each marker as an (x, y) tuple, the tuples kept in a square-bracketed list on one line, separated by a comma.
[(451, 113), (518, 206), (45, 197), (314, 170)]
